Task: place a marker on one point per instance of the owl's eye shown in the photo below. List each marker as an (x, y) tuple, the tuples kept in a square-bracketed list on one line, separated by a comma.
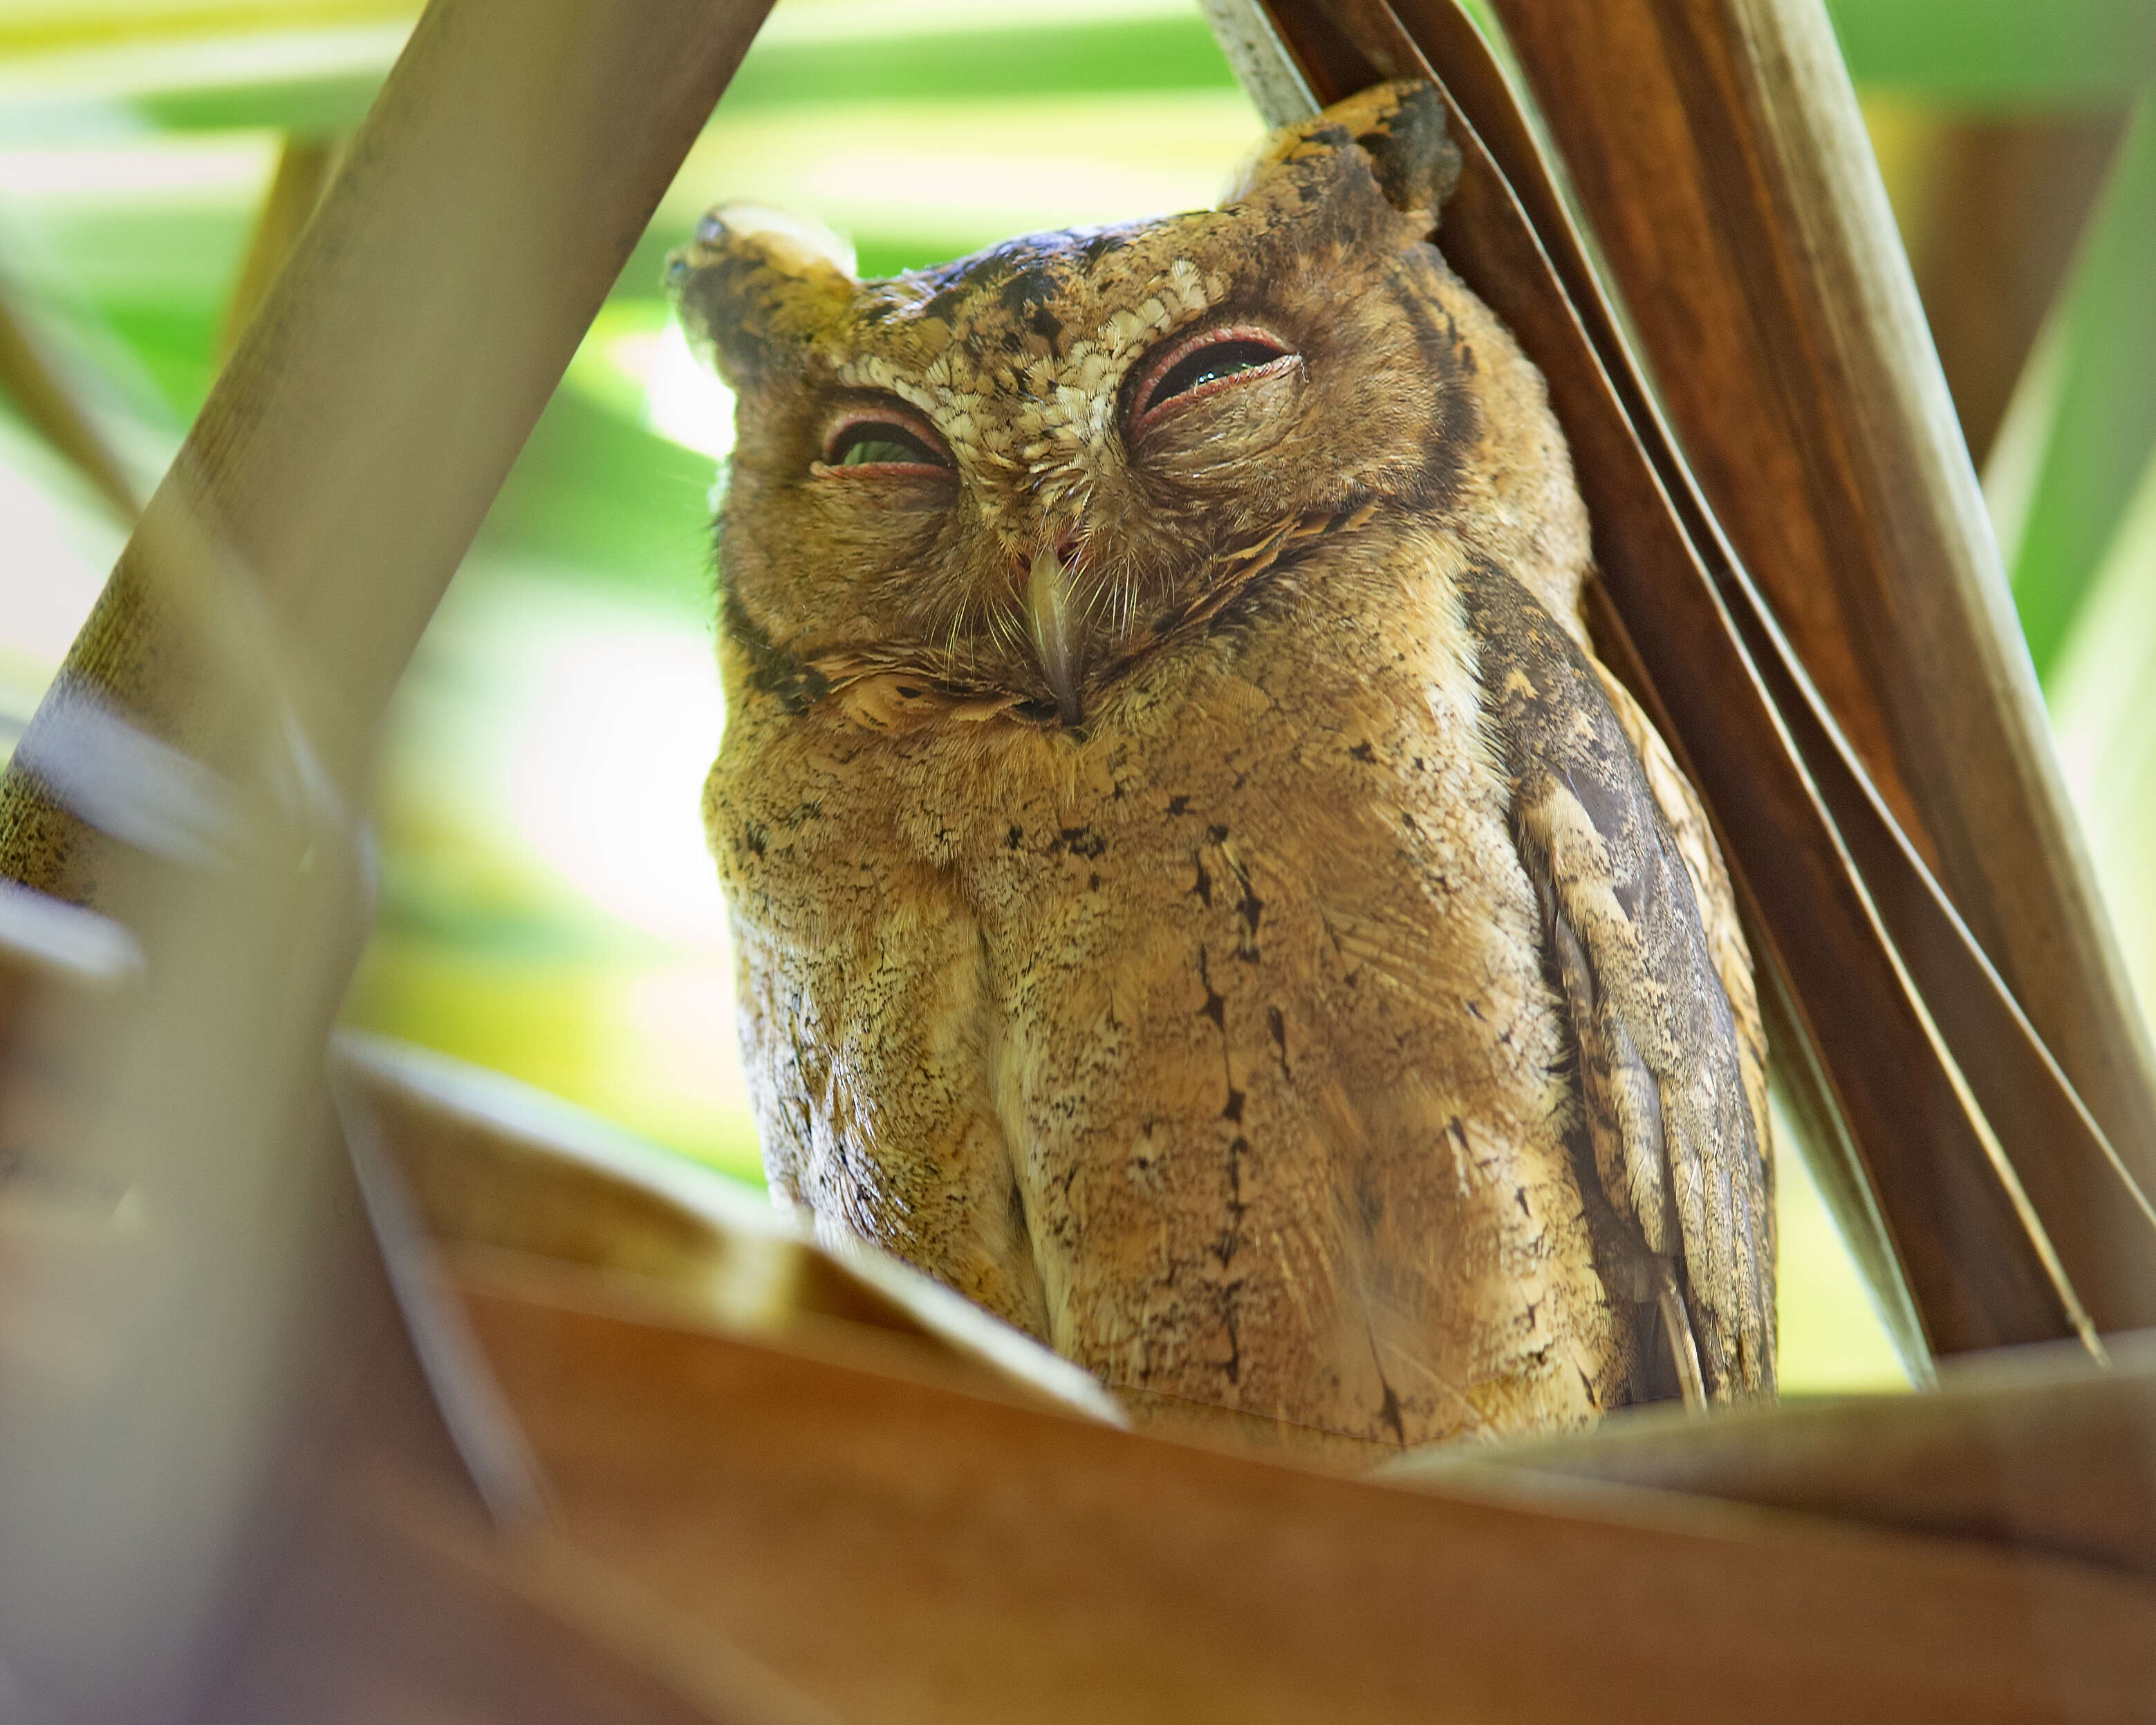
[(870, 440), (1206, 365)]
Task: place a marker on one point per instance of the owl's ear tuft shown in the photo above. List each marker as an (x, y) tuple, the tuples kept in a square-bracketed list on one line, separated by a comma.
[(755, 284), (1411, 150), (1397, 130)]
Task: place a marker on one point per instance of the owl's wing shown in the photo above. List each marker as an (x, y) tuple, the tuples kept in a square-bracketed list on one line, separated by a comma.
[(1716, 898), (1662, 1066)]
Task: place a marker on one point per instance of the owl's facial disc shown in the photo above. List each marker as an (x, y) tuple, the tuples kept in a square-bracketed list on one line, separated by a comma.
[(1166, 406)]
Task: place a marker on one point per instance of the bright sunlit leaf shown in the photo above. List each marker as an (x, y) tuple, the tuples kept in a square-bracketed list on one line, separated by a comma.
[(683, 401)]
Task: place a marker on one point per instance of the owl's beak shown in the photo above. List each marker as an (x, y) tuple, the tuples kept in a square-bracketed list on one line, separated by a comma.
[(1054, 631)]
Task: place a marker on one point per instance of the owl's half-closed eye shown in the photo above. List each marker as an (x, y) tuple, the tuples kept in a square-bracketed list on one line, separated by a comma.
[(1208, 392), (884, 441), (1202, 366)]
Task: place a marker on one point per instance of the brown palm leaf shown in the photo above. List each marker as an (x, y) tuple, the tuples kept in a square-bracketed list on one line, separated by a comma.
[(1998, 1195)]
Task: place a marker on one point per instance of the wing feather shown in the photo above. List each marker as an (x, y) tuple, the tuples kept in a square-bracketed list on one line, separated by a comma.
[(1670, 1079)]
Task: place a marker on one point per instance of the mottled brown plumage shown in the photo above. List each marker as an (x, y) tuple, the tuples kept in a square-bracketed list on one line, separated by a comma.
[(1195, 891)]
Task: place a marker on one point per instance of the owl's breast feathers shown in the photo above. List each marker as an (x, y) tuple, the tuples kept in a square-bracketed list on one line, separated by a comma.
[(1328, 1032)]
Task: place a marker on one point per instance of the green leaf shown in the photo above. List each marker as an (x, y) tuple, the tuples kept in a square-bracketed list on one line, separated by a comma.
[(2083, 423), (2000, 54), (2104, 706), (321, 81), (598, 499)]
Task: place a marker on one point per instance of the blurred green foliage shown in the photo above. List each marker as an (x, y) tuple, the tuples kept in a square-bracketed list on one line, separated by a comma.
[(2000, 55), (2081, 437), (546, 909)]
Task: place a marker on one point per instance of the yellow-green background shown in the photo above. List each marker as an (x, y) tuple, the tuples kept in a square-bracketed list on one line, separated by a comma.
[(547, 906)]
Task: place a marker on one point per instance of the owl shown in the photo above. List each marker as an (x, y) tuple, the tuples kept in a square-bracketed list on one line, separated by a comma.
[(1196, 891)]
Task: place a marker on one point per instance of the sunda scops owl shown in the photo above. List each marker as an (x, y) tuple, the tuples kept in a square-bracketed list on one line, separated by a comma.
[(1195, 891)]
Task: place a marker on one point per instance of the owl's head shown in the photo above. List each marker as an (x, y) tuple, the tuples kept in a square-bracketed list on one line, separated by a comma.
[(1020, 474)]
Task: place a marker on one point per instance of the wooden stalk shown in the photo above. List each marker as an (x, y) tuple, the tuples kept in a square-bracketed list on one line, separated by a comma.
[(302, 173), (2031, 1449), (348, 453), (1981, 1152), (898, 1551), (797, 1509), (1687, 629), (2001, 207), (1717, 147), (29, 379), (178, 1230)]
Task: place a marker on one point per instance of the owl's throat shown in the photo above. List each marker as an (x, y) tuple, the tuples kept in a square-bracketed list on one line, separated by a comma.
[(1053, 626)]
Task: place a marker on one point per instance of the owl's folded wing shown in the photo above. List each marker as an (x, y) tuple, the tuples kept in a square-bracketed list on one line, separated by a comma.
[(1662, 1068), (1716, 898)]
